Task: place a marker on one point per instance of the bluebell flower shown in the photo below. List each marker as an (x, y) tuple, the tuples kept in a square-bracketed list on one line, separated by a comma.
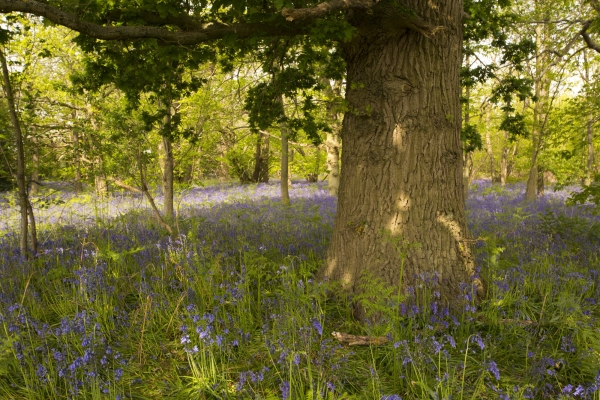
[(493, 368), (317, 325), (41, 372), (285, 390), (567, 389)]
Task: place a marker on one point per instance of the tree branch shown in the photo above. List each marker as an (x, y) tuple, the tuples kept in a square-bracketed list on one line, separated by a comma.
[(586, 37), (208, 32), (327, 7)]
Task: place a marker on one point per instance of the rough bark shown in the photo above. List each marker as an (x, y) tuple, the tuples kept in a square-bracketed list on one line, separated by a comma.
[(402, 158), (20, 175)]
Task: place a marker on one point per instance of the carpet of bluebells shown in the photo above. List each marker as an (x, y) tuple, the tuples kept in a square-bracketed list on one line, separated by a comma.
[(114, 308)]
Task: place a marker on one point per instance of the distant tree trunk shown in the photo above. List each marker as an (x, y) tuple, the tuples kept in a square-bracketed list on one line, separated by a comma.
[(261, 158), (188, 173), (468, 169), (402, 158), (168, 167), (285, 193), (506, 162), (333, 145), (589, 176), (539, 114), (144, 188), (590, 150), (100, 180), (22, 185), (467, 156), (77, 158), (489, 148)]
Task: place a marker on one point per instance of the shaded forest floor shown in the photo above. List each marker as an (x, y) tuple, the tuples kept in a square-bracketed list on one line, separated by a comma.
[(227, 309)]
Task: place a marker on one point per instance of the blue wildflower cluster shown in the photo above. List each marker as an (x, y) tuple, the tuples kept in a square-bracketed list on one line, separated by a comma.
[(228, 308)]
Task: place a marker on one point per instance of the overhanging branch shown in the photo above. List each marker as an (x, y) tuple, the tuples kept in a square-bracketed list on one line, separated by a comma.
[(208, 32), (325, 8)]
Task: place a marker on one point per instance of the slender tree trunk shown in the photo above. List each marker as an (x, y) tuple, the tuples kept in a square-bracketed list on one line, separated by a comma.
[(22, 185), (77, 158), (32, 224), (468, 169), (539, 114), (168, 166), (285, 193), (100, 181), (489, 148), (333, 145), (402, 159), (590, 150), (589, 176), (144, 187), (467, 156), (167, 158), (261, 158)]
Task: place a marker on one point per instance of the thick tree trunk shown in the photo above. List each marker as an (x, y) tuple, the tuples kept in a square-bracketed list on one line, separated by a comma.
[(21, 184), (402, 157)]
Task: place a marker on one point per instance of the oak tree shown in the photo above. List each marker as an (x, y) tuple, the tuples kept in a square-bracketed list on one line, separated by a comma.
[(402, 159)]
